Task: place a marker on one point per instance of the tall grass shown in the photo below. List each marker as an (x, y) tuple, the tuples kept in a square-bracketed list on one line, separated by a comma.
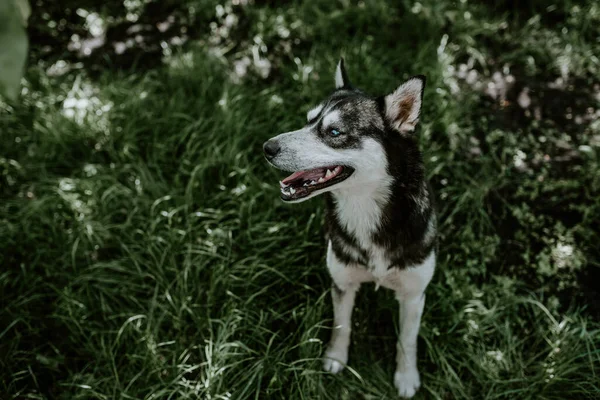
[(145, 252)]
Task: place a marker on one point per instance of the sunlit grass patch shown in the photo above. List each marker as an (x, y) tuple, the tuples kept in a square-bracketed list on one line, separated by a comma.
[(146, 254)]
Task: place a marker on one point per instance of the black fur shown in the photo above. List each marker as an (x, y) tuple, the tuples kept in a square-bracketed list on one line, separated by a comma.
[(341, 238), (407, 213), (347, 84), (353, 125), (404, 220)]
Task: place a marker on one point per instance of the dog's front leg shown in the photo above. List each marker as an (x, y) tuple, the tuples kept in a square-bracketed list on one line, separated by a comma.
[(343, 291), (407, 378), (410, 292), (336, 355)]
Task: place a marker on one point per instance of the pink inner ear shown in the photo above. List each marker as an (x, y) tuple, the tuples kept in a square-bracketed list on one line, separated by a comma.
[(405, 108), (404, 104)]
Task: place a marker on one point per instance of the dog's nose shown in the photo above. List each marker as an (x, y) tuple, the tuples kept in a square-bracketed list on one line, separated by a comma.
[(271, 148)]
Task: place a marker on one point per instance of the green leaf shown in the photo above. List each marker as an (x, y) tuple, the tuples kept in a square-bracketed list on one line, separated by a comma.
[(25, 10), (14, 43)]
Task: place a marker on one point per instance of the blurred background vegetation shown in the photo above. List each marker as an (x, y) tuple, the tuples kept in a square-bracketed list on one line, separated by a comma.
[(145, 253)]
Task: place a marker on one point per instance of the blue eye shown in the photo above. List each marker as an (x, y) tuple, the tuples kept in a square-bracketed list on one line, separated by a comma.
[(335, 132)]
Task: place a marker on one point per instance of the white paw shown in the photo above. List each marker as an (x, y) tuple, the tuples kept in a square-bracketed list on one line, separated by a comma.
[(407, 383), (335, 361)]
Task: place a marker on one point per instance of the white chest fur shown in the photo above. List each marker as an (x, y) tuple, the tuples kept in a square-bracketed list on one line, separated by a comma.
[(360, 214)]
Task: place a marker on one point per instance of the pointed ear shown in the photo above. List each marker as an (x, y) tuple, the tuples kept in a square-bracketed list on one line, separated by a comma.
[(403, 106), (341, 77)]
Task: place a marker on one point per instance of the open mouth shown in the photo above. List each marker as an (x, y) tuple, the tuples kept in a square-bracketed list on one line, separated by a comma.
[(302, 183)]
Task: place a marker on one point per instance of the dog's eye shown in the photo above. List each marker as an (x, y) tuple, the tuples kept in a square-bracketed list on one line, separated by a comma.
[(335, 132)]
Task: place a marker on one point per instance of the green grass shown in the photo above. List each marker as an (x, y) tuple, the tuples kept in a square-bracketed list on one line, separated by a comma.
[(145, 253)]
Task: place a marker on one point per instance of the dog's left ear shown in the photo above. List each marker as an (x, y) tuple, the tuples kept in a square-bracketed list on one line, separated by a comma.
[(341, 77), (403, 106)]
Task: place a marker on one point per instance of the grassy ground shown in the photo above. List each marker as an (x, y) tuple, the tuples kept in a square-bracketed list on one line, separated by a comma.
[(145, 253)]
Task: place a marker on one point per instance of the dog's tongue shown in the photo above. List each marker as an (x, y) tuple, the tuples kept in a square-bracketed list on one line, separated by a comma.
[(311, 175)]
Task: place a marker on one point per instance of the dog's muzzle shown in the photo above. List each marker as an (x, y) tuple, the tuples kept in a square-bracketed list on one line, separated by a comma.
[(271, 149)]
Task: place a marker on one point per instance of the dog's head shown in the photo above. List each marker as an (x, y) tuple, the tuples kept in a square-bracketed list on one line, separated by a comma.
[(342, 143)]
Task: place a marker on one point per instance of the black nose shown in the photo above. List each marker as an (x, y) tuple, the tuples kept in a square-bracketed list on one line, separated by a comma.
[(271, 148)]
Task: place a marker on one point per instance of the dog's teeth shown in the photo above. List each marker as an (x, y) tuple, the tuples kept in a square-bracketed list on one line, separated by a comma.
[(292, 190), (321, 180), (313, 182), (328, 174), (338, 169), (305, 184)]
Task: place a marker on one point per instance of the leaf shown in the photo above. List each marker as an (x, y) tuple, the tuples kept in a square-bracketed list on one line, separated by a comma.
[(25, 10), (14, 44)]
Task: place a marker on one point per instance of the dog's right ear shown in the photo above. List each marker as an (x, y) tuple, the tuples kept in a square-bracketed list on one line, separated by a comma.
[(403, 106), (341, 77)]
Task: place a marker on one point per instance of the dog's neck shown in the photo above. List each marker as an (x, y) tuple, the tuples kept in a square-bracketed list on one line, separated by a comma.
[(383, 204), (359, 209), (378, 191)]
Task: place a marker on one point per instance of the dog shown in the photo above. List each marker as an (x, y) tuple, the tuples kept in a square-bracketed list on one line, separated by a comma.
[(361, 153)]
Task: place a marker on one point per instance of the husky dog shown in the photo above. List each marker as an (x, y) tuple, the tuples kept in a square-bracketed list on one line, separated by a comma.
[(359, 151)]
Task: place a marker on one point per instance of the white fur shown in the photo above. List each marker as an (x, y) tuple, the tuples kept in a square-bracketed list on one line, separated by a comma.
[(302, 150), (359, 207), (331, 119), (359, 214), (411, 282), (409, 92), (359, 200), (319, 110), (339, 77), (348, 278), (407, 383), (409, 285), (313, 112), (343, 275), (359, 211)]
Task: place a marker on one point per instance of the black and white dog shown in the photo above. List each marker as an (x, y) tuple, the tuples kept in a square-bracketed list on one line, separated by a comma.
[(360, 152)]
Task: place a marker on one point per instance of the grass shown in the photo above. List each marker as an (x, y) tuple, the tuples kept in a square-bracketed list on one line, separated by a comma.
[(145, 253)]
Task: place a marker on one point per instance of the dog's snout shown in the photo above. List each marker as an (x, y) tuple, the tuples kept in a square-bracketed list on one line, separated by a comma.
[(271, 148)]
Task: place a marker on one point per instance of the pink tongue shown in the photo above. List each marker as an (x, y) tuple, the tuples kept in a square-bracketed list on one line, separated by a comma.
[(312, 175)]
